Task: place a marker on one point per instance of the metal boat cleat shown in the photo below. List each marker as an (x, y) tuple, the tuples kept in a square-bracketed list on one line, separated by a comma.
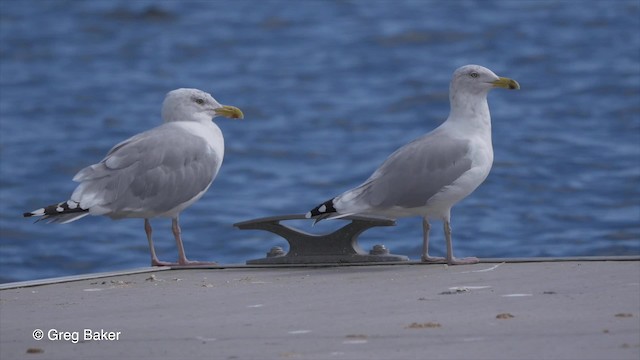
[(339, 246)]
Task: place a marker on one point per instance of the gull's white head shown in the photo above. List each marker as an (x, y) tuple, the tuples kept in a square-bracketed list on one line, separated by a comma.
[(468, 93), (476, 79), (195, 105)]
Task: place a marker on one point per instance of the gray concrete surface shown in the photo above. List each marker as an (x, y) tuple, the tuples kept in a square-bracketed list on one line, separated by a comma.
[(531, 310)]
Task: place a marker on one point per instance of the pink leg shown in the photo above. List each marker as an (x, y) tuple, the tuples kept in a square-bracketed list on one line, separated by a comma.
[(154, 258), (182, 258), (451, 260), (425, 244)]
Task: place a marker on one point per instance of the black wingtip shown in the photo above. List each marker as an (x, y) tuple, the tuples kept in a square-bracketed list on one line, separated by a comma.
[(63, 208), (322, 209)]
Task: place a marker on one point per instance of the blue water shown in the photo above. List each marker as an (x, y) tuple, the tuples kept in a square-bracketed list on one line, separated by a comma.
[(329, 89)]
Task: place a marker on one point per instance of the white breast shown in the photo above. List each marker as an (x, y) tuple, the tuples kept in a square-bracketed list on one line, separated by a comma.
[(210, 132)]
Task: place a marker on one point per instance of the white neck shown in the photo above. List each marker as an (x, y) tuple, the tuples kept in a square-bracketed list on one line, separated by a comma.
[(200, 117), (466, 106)]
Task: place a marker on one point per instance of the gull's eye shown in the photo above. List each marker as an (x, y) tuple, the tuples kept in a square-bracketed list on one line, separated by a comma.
[(474, 74), (199, 101)]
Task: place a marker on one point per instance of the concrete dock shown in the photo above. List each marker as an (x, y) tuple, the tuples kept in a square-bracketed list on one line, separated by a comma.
[(585, 308)]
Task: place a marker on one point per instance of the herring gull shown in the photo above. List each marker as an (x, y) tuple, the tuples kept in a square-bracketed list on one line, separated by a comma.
[(157, 173), (429, 175)]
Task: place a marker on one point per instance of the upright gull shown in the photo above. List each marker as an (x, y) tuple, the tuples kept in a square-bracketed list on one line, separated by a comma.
[(157, 173), (429, 175)]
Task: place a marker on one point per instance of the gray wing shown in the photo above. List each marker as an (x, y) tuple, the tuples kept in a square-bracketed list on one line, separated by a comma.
[(152, 172), (415, 173)]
